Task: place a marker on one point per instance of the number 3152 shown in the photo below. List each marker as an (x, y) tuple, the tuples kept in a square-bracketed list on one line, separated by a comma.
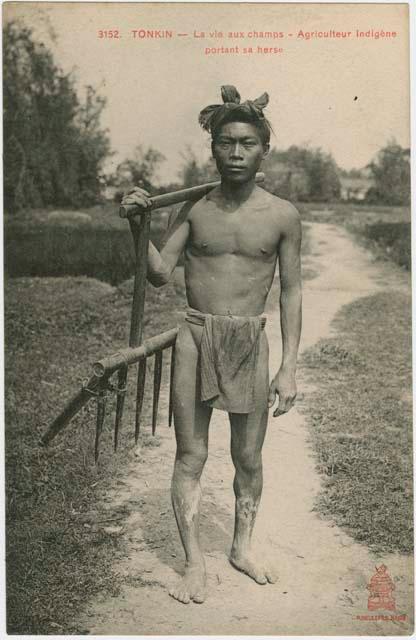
[(113, 33)]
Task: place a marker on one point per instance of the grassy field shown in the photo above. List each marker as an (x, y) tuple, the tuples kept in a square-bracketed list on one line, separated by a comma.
[(95, 243), (360, 421), (59, 544)]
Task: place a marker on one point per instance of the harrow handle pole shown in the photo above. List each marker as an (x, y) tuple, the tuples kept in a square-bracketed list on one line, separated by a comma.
[(141, 236), (94, 385), (174, 197)]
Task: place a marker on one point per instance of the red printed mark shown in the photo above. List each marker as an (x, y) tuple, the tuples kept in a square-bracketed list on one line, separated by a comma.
[(381, 588)]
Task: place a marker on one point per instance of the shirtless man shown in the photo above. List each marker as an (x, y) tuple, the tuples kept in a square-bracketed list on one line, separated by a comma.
[(232, 239)]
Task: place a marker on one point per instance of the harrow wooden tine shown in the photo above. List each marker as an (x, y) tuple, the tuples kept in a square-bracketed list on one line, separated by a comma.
[(101, 406), (157, 377), (141, 380), (172, 373), (121, 395)]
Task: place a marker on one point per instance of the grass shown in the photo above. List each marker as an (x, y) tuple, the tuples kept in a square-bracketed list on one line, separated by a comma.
[(341, 212), (360, 420), (57, 557), (387, 240)]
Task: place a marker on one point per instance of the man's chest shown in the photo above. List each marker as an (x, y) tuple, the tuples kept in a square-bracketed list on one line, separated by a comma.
[(248, 235)]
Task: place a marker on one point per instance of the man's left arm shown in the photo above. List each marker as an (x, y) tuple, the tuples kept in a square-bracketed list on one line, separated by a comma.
[(284, 383)]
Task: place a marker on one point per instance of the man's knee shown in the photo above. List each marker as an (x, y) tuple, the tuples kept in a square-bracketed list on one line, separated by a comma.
[(191, 463), (247, 461)]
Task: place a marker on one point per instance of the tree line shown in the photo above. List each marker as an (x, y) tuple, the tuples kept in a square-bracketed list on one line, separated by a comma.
[(55, 146)]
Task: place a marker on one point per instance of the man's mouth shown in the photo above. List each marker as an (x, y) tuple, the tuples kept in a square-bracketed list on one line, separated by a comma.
[(235, 168)]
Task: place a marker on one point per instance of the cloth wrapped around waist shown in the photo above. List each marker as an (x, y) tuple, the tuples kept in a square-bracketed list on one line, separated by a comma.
[(229, 355)]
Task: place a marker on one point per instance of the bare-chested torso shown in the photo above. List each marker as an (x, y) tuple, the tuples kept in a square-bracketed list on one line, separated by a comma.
[(231, 253)]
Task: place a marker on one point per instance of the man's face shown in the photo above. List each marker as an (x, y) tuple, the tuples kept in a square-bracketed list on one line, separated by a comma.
[(238, 151)]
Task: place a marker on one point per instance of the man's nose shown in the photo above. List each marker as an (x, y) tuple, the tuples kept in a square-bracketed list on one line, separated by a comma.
[(236, 150)]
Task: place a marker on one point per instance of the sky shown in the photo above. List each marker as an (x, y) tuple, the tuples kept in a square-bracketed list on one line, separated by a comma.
[(348, 96)]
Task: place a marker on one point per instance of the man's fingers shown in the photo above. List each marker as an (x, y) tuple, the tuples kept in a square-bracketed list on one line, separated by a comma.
[(138, 190), (137, 196), (285, 404), (272, 397), (138, 199), (278, 413)]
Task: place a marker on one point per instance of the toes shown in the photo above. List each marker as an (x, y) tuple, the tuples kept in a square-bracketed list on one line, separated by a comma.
[(251, 570), (259, 577), (271, 576), (257, 573), (181, 596), (199, 597)]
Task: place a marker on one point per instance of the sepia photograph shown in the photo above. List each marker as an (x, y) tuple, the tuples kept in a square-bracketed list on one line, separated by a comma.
[(207, 319)]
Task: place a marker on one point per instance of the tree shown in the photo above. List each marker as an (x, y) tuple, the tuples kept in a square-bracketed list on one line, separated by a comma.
[(194, 172), (95, 145), (140, 170), (54, 147), (391, 174), (302, 174), (323, 176)]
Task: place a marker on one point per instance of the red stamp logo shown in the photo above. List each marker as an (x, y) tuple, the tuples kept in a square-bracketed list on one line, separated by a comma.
[(381, 588)]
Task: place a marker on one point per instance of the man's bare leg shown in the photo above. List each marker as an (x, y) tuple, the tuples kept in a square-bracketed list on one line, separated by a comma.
[(191, 429), (247, 437)]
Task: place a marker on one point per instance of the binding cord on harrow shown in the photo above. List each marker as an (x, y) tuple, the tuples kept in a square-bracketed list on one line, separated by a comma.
[(99, 385)]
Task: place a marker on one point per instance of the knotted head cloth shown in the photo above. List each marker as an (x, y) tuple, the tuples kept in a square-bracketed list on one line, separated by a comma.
[(232, 109)]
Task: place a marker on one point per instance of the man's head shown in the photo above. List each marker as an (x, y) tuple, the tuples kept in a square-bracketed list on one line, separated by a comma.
[(240, 133), (238, 149)]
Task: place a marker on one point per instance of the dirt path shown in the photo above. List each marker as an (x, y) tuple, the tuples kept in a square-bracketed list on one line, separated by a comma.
[(323, 573)]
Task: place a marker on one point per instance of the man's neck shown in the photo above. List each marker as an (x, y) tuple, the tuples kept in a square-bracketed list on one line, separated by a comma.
[(236, 194)]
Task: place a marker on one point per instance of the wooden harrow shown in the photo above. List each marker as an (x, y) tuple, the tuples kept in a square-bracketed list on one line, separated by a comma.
[(100, 384)]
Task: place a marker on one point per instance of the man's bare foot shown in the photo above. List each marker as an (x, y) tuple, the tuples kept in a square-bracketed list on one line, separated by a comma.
[(192, 586), (253, 568)]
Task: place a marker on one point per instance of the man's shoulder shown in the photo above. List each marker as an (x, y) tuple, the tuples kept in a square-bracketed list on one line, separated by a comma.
[(183, 213), (198, 207), (283, 210)]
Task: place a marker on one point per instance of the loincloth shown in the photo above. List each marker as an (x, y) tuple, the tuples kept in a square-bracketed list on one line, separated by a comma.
[(229, 354)]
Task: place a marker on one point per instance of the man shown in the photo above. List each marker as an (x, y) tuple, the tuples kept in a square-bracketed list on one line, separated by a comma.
[(232, 239)]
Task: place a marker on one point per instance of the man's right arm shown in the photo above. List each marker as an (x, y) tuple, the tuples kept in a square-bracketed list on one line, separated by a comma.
[(160, 266)]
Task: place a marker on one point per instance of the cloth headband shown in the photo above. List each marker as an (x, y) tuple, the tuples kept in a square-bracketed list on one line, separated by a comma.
[(212, 116)]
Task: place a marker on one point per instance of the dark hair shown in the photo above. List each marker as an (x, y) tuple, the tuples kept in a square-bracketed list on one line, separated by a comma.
[(263, 126)]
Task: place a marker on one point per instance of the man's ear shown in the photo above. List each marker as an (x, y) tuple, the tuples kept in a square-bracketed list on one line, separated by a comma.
[(266, 149)]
